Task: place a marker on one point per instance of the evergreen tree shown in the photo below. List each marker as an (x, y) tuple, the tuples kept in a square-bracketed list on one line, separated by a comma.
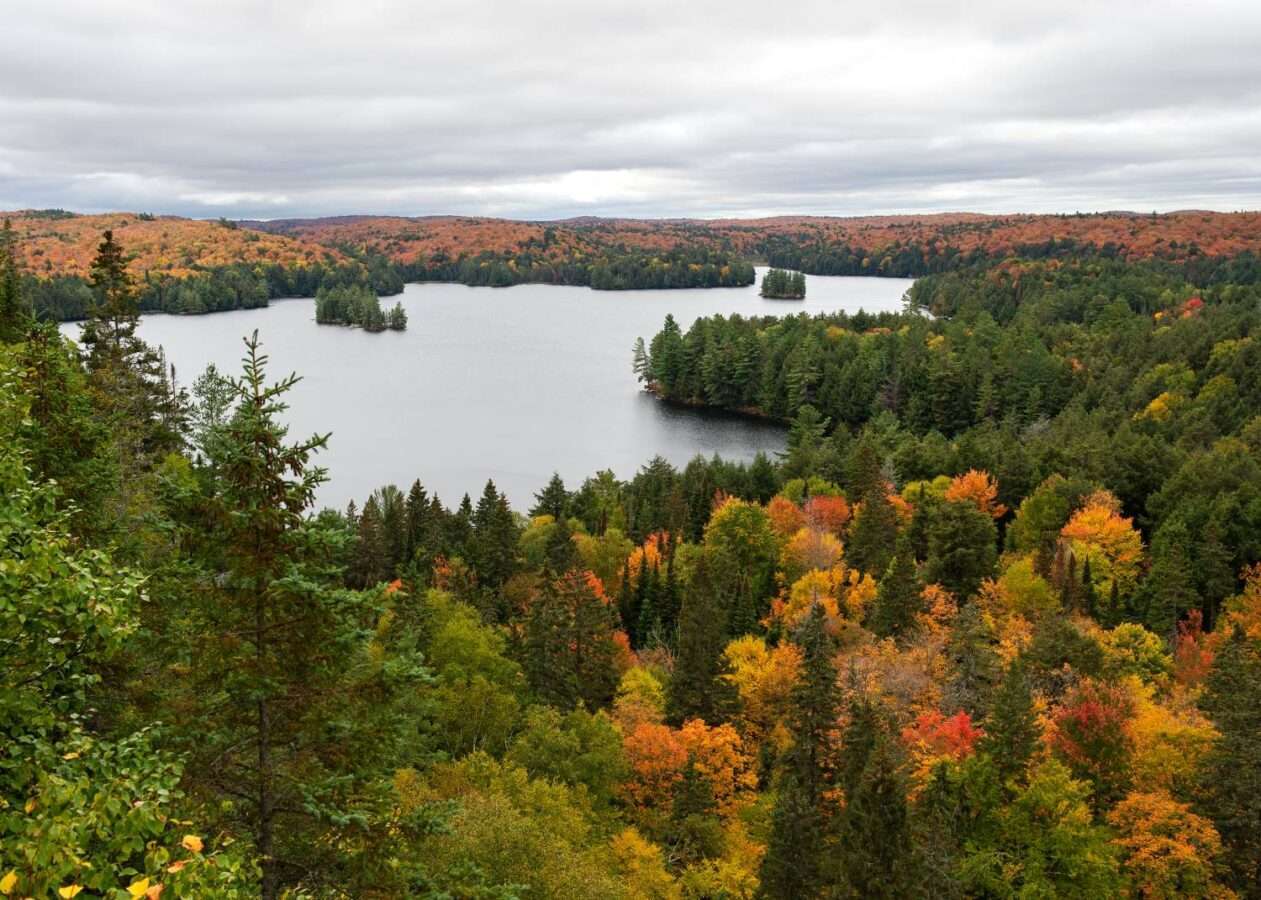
[(1231, 778), (699, 688), (899, 595), (962, 542), (494, 540), (794, 864), (1012, 731), (273, 652), (110, 330), (569, 652), (975, 665), (1169, 589), (874, 532), (13, 312), (552, 501), (695, 830), (875, 852)]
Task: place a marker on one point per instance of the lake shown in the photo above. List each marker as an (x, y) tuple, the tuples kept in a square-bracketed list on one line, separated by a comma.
[(506, 383)]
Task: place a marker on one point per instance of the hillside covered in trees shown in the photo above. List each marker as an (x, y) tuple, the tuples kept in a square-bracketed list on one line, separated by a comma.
[(990, 627), (192, 266)]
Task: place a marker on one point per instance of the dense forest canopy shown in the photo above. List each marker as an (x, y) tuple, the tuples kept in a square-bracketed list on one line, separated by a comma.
[(989, 627), (190, 266)]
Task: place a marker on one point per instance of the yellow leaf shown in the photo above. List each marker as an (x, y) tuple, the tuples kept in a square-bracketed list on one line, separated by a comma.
[(192, 842), (70, 890), (73, 754), (7, 882), (138, 888), (30, 805)]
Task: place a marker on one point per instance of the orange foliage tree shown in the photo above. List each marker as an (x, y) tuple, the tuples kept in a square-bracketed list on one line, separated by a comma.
[(975, 486)]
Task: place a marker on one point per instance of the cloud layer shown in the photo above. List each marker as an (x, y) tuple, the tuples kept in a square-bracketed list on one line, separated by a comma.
[(549, 109)]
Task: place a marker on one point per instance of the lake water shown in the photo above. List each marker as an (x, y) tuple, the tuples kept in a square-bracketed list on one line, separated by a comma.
[(503, 383)]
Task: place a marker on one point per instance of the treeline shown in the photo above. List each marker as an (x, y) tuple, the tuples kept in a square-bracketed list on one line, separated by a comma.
[(890, 662), (603, 271), (359, 306), (912, 259), (779, 284), (69, 298)]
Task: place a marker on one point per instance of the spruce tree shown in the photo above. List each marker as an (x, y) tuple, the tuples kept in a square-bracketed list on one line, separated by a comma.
[(494, 540), (793, 866), (1231, 775), (552, 501), (698, 686), (13, 312), (875, 854), (1169, 589), (1012, 731), (695, 830), (899, 596), (874, 532), (975, 665)]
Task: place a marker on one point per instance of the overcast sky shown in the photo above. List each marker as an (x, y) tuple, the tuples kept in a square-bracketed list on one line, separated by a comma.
[(576, 107)]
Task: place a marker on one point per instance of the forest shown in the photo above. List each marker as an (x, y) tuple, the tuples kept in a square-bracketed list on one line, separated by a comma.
[(780, 284), (989, 627), (358, 306)]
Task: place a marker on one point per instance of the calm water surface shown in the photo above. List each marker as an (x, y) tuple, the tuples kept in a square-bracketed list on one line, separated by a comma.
[(506, 383)]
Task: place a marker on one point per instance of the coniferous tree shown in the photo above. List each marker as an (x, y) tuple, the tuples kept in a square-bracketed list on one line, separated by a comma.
[(699, 688), (273, 654), (1012, 730), (874, 532), (13, 313), (569, 651), (899, 595), (962, 543), (1231, 778), (552, 501), (695, 830), (494, 539), (875, 853), (1169, 589), (794, 864), (975, 665)]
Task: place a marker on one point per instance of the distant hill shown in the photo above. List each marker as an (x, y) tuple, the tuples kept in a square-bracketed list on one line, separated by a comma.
[(57, 243), (54, 242)]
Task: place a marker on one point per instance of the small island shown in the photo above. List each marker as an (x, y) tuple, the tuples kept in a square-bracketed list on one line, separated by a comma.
[(780, 284), (359, 306)]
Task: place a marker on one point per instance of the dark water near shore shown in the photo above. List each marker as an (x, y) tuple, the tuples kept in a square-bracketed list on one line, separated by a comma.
[(507, 383)]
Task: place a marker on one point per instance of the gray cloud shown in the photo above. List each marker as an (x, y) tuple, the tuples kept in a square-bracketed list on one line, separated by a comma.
[(545, 109)]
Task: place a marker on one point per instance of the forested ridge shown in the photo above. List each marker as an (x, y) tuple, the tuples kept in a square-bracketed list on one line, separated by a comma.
[(191, 266), (990, 627)]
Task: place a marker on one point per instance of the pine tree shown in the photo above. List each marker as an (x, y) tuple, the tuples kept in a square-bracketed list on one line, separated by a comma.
[(899, 596), (698, 686), (1012, 731), (793, 866), (1231, 778), (115, 314)]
